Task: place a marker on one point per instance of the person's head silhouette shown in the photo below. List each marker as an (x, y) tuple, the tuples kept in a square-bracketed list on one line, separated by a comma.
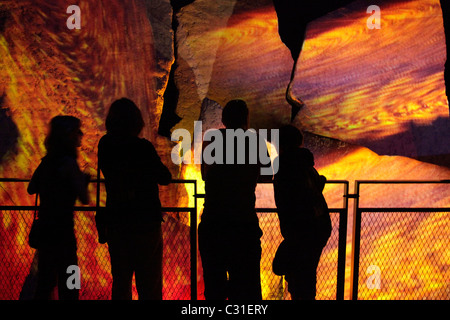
[(290, 138), (124, 118), (64, 136), (235, 115)]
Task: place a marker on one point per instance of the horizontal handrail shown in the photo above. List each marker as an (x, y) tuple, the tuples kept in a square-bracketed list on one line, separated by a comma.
[(168, 209), (401, 181), (403, 209), (357, 216), (93, 180)]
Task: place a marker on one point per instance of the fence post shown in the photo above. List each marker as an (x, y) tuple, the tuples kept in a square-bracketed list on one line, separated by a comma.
[(356, 238), (193, 235), (342, 246)]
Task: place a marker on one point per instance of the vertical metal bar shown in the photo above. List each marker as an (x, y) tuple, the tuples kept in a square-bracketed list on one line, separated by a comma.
[(356, 239), (342, 246), (193, 235)]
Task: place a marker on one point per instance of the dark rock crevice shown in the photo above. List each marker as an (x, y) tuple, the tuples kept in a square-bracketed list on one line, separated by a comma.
[(169, 117), (9, 134)]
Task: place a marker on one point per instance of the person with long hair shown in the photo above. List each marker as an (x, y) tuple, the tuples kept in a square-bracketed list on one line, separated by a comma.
[(132, 171), (58, 182)]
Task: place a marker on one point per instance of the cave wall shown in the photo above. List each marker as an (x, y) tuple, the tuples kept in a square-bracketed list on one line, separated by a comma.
[(374, 99)]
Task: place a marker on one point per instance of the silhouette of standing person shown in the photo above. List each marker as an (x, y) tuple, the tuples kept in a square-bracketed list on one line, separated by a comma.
[(132, 171), (59, 182), (229, 233), (303, 213)]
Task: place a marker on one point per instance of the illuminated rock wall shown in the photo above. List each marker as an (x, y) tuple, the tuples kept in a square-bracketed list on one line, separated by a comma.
[(374, 98)]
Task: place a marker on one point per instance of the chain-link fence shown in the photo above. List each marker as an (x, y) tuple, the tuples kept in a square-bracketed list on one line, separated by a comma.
[(274, 287), (404, 255), (18, 262), (401, 250), (398, 253)]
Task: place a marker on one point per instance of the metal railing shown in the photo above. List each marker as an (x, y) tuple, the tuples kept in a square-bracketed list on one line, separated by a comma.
[(338, 238), (88, 212), (374, 236), (404, 267)]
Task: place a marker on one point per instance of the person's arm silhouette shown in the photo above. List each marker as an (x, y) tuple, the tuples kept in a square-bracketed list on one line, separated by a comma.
[(33, 186), (162, 173), (79, 181)]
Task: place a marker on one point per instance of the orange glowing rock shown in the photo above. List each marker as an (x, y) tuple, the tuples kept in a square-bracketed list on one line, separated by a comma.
[(361, 86)]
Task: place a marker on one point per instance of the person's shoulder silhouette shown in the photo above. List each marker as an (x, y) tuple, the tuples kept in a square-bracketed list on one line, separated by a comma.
[(58, 178), (130, 164), (231, 179)]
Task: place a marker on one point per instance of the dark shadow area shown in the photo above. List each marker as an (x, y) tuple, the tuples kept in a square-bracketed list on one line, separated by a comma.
[(169, 117), (9, 133), (293, 19), (428, 143), (4, 16)]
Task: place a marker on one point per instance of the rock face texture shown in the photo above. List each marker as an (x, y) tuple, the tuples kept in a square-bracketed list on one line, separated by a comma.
[(374, 103)]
